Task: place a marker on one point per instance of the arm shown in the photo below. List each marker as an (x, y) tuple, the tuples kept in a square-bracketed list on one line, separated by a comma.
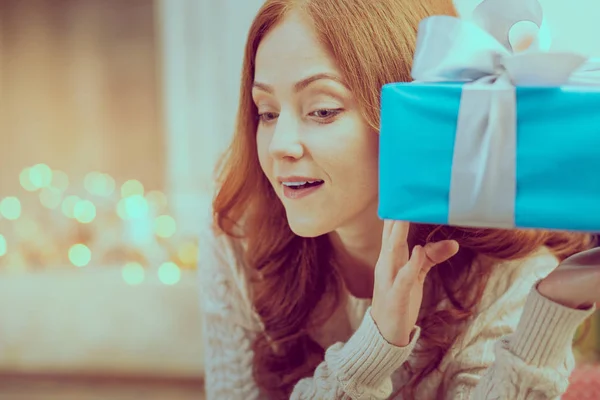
[(533, 361), (228, 329), (227, 360), (361, 368), (537, 360)]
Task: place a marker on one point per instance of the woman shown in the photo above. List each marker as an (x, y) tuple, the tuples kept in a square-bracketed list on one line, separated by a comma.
[(307, 294)]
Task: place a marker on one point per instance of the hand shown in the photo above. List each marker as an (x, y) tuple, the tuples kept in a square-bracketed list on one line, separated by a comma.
[(398, 290), (576, 281)]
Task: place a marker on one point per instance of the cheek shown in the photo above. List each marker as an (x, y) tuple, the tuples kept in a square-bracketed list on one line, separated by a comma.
[(262, 147), (372, 148), (354, 159), (365, 167)]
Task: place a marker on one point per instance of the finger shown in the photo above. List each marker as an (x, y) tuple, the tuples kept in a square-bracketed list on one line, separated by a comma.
[(385, 270), (438, 252), (584, 259), (398, 239), (410, 272), (387, 230)]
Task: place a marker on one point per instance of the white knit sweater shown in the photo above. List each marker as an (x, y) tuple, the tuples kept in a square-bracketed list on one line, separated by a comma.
[(517, 346)]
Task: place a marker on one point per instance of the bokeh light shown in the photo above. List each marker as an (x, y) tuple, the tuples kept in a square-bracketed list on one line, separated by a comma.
[(132, 187), (121, 210), (169, 273), (165, 226), (188, 253), (10, 208), (26, 228), (109, 185), (25, 180), (99, 184), (135, 242), (40, 175), (68, 206), (93, 182), (84, 211), (60, 180), (80, 255), (136, 206), (157, 201), (3, 247), (50, 197), (133, 273)]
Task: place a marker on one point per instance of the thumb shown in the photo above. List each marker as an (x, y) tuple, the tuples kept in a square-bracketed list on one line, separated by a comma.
[(438, 252)]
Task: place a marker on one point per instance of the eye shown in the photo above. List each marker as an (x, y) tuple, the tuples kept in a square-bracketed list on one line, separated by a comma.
[(268, 116), (325, 114)]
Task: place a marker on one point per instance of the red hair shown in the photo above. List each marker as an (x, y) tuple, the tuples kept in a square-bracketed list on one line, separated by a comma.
[(289, 275)]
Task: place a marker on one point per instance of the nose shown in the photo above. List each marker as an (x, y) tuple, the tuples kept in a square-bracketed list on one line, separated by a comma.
[(285, 142)]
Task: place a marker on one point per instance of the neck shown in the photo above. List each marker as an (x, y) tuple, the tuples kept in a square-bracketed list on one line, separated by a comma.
[(357, 246)]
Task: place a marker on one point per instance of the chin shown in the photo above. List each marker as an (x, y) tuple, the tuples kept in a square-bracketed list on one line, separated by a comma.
[(308, 227)]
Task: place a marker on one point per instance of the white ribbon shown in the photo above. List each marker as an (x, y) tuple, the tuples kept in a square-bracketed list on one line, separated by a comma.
[(483, 53)]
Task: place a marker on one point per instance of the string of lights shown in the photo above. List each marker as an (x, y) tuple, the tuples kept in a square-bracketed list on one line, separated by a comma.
[(95, 224)]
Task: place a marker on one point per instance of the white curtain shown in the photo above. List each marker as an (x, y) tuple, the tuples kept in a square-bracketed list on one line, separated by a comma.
[(203, 43)]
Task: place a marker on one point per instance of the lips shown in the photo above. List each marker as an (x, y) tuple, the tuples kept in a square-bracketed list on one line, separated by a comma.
[(296, 187)]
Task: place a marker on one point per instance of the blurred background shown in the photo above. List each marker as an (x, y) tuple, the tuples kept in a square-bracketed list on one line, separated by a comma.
[(112, 115)]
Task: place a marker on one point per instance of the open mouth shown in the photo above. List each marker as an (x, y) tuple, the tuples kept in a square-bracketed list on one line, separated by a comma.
[(302, 185)]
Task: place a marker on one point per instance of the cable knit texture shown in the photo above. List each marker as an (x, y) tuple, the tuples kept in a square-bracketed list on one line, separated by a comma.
[(517, 346)]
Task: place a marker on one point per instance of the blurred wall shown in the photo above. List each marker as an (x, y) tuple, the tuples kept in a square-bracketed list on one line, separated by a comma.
[(128, 88), (79, 89), (203, 44)]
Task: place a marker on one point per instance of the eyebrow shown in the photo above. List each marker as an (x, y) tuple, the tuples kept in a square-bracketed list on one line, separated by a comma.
[(301, 85)]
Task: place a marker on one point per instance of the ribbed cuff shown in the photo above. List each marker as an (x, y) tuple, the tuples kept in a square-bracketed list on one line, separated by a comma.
[(545, 330), (367, 359)]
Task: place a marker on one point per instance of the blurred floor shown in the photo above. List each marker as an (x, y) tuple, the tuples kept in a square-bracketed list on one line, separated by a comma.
[(30, 387)]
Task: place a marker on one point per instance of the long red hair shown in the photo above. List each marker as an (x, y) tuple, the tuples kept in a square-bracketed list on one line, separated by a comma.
[(289, 276)]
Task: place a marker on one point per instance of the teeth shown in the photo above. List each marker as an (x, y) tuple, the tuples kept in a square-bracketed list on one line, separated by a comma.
[(301, 183), (295, 183)]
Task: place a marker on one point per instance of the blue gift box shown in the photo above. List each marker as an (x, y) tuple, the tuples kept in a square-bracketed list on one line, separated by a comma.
[(557, 155)]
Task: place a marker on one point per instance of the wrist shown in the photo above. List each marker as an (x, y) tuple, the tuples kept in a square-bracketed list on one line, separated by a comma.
[(367, 358), (391, 334), (544, 335), (403, 341)]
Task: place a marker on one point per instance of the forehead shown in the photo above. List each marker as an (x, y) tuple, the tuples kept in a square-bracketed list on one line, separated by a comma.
[(291, 50)]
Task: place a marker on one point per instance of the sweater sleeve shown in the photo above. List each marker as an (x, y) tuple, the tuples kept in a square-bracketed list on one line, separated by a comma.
[(520, 347), (228, 329), (361, 368)]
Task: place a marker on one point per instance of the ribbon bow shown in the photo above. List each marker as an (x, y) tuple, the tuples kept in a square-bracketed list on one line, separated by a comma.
[(506, 45)]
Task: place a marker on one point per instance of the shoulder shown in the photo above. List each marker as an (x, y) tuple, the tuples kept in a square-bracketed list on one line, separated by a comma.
[(500, 308), (223, 275), (510, 282), (483, 340)]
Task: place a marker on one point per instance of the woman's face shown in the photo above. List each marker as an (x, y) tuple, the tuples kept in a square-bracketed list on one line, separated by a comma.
[(313, 144)]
